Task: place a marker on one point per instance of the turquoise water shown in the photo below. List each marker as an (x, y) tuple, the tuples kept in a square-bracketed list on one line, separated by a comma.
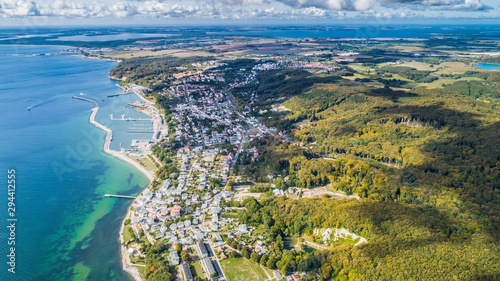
[(66, 230), (487, 66)]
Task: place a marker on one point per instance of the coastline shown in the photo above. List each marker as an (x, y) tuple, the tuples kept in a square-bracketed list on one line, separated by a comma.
[(126, 265), (106, 149), (125, 259)]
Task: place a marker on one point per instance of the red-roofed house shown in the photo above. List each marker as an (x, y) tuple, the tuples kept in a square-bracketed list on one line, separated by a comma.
[(176, 211)]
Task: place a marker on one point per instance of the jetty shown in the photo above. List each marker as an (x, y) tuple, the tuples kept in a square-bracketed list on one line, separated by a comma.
[(119, 196), (109, 137), (89, 100), (120, 94)]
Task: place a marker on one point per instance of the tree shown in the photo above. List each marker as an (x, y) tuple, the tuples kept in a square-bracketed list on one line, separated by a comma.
[(178, 247), (158, 271), (245, 252), (255, 257), (271, 263), (185, 256), (326, 270), (279, 243), (285, 268), (279, 264), (233, 254), (263, 259)]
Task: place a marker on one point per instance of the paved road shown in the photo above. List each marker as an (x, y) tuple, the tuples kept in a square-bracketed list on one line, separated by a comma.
[(216, 261)]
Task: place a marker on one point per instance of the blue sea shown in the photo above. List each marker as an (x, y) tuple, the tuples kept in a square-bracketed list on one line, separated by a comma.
[(65, 229), (370, 30)]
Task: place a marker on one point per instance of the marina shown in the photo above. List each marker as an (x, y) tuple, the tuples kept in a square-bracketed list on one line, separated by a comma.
[(123, 118)]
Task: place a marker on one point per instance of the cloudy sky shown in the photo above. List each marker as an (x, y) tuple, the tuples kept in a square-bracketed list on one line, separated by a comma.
[(16, 12)]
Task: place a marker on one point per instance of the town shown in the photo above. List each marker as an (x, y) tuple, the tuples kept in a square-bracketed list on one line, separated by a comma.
[(187, 205)]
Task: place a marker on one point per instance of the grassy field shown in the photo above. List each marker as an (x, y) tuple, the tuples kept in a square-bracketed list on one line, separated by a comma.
[(141, 269), (439, 83), (126, 234), (240, 269), (196, 270), (145, 162)]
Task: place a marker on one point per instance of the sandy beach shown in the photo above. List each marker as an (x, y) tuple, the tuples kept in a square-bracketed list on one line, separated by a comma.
[(126, 264)]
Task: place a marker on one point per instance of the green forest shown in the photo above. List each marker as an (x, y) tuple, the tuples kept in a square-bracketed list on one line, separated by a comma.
[(424, 161), (405, 241)]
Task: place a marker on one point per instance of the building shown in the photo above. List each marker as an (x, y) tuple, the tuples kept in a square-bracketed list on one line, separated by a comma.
[(209, 267), (174, 258), (243, 228), (186, 272), (277, 275), (218, 239), (176, 211), (223, 256), (202, 250)]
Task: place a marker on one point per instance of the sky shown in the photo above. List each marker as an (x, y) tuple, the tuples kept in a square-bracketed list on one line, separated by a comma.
[(71, 12)]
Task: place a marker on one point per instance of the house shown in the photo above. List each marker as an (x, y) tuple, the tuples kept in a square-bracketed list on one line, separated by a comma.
[(151, 221), (217, 237), (223, 256), (243, 228), (176, 211), (186, 272), (174, 257), (278, 192), (202, 250)]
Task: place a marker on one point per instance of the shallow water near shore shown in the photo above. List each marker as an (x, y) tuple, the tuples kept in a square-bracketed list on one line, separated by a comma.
[(66, 229)]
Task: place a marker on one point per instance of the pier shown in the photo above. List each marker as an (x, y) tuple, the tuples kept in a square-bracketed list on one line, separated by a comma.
[(120, 94), (89, 100), (119, 196)]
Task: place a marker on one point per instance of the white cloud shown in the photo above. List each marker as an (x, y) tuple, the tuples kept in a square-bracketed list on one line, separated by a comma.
[(18, 8), (236, 9)]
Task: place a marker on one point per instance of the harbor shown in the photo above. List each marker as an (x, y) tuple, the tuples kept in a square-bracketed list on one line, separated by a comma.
[(109, 138), (123, 118)]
